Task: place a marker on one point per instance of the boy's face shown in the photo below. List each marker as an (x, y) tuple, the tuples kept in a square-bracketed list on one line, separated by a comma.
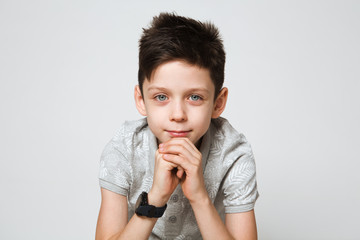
[(179, 101)]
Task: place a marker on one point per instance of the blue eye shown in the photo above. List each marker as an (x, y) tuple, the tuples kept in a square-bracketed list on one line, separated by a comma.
[(161, 97), (195, 98)]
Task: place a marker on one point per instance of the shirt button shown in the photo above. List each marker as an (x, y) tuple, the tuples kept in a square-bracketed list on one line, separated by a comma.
[(172, 219), (175, 198)]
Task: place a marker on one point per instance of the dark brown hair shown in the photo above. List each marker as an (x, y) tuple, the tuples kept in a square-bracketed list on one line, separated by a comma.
[(171, 37)]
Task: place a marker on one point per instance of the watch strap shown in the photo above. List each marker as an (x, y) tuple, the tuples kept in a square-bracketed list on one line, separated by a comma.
[(159, 211), (149, 210)]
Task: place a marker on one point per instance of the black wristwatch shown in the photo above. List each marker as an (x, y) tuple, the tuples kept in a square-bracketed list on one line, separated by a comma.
[(142, 207)]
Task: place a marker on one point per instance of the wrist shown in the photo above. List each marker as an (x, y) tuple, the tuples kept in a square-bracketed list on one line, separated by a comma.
[(156, 199), (200, 201)]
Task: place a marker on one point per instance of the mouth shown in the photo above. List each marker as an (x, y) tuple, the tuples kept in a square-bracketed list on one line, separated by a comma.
[(178, 133)]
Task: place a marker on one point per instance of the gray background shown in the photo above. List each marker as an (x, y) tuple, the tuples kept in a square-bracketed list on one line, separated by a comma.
[(67, 72)]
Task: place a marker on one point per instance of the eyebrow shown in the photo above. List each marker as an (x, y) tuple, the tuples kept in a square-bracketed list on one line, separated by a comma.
[(154, 88)]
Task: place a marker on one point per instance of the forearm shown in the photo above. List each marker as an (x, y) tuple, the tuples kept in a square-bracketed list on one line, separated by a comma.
[(137, 228), (210, 224), (140, 227)]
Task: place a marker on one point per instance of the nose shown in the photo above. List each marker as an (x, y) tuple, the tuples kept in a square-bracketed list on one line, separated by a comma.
[(178, 112)]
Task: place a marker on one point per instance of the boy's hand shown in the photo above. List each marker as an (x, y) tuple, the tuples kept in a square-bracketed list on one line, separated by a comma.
[(164, 181), (182, 153)]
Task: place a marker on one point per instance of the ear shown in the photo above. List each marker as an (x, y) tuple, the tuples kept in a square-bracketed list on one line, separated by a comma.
[(220, 103), (139, 100)]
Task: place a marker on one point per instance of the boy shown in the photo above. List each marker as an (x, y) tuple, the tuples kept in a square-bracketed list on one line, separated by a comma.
[(182, 172)]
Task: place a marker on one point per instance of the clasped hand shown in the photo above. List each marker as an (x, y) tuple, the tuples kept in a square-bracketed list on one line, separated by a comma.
[(178, 161)]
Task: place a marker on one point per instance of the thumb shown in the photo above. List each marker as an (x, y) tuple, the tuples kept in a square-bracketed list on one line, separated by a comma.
[(180, 172)]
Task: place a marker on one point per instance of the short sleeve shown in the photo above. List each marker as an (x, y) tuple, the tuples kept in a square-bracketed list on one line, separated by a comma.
[(240, 188), (115, 171)]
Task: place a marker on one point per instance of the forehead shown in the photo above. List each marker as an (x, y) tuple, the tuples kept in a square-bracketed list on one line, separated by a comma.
[(180, 75)]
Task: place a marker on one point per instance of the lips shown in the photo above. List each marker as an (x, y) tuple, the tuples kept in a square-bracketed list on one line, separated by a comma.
[(178, 133)]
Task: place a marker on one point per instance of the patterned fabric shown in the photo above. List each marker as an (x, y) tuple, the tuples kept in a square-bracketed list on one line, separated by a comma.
[(127, 167)]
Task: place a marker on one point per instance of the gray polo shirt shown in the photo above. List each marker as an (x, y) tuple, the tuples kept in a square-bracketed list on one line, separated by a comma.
[(127, 168)]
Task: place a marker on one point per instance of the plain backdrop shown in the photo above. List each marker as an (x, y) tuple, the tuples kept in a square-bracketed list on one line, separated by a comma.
[(67, 74)]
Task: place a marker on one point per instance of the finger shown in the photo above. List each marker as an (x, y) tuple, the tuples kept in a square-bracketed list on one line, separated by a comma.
[(182, 148), (190, 144), (180, 161), (162, 163), (180, 172), (181, 151), (182, 141), (176, 149)]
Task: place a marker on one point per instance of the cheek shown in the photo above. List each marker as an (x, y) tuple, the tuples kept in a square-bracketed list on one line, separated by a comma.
[(155, 117), (204, 112), (201, 118)]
